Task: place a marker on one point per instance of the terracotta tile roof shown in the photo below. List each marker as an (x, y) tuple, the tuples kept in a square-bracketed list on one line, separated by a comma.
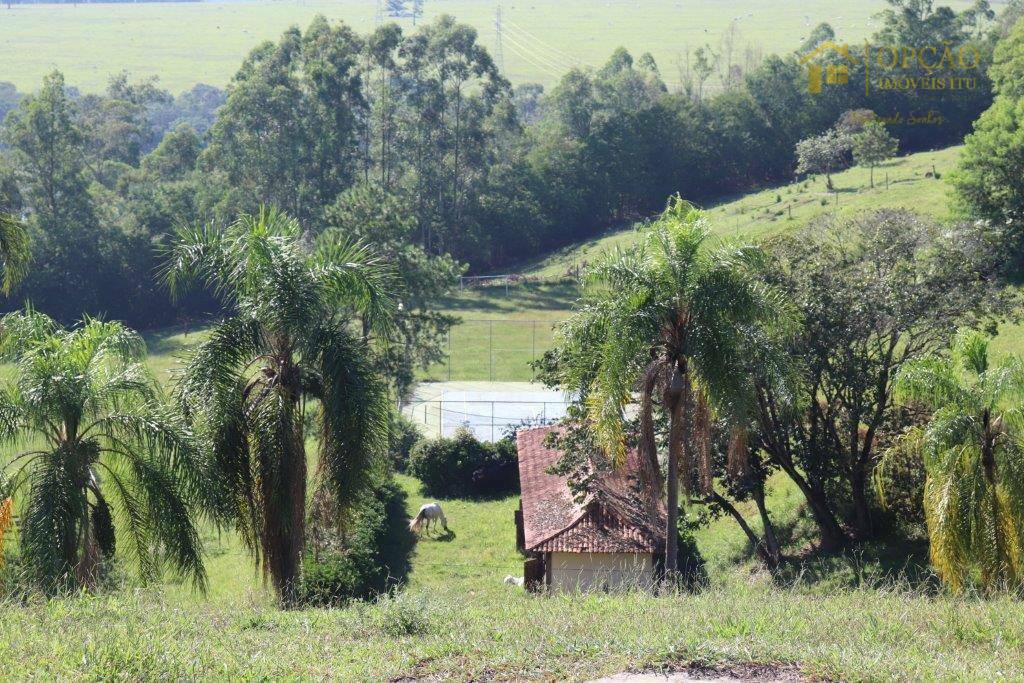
[(612, 517)]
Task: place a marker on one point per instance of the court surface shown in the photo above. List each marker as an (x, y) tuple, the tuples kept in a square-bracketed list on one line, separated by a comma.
[(488, 409)]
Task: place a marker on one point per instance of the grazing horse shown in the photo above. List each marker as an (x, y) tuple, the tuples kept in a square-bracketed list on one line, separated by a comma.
[(431, 512)]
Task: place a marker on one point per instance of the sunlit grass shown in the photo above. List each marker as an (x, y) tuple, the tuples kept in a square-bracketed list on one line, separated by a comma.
[(785, 207)]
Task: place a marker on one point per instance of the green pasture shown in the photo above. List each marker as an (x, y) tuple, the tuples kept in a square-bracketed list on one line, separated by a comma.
[(188, 42), (498, 341), (906, 182)]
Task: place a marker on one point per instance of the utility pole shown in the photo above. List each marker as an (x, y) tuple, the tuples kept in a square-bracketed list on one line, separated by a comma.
[(499, 51)]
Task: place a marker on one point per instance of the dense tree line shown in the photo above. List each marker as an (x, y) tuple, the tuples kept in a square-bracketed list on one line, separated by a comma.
[(468, 165), (988, 180)]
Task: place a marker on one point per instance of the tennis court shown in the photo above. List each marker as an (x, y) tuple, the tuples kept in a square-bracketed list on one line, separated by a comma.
[(488, 409)]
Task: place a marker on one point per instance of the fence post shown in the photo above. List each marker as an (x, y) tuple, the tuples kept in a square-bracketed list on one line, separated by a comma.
[(490, 353), (449, 354), (492, 421), (534, 353)]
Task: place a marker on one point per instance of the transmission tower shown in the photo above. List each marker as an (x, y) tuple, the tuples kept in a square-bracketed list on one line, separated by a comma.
[(499, 51)]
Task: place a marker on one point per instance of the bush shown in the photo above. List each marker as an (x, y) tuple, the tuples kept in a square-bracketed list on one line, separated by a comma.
[(368, 555), (464, 467), (403, 435), (693, 573), (401, 614)]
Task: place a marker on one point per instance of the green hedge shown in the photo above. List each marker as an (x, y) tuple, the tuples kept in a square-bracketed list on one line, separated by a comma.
[(367, 557), (403, 435), (446, 467)]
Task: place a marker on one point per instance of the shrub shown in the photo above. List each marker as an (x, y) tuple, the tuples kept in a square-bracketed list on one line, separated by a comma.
[(401, 614), (403, 435), (363, 557), (463, 466), (693, 574)]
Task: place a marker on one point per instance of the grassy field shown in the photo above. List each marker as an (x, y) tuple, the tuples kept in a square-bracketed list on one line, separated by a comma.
[(851, 619), (186, 43), (777, 209)]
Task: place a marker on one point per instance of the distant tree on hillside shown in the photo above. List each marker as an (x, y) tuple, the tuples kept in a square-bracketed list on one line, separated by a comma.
[(989, 179), (821, 154), (852, 121), (818, 35), (287, 132), (705, 61), (873, 145)]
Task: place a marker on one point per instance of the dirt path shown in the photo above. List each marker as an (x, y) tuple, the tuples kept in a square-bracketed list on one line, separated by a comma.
[(723, 674)]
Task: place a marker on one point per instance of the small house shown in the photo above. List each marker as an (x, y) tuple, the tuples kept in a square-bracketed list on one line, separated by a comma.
[(609, 537)]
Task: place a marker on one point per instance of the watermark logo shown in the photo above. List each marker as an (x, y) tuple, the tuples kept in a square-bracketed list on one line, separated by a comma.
[(894, 67), (834, 74)]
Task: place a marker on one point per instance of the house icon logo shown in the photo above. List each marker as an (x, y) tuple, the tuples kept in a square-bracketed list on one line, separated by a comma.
[(832, 74)]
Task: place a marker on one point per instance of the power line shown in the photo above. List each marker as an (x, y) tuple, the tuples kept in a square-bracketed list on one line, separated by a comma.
[(549, 68), (556, 58), (500, 52), (526, 56), (526, 35), (553, 61)]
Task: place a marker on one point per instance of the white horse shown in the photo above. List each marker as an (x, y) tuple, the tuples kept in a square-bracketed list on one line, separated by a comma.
[(431, 512)]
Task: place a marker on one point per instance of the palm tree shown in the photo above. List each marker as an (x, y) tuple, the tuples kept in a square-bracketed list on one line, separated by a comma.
[(675, 321), (14, 252), (100, 463), (250, 387), (973, 453)]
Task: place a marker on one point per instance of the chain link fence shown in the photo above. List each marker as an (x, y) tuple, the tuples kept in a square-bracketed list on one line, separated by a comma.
[(493, 350), (487, 420)]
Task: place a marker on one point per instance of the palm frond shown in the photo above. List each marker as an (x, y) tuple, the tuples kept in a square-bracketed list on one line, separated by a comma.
[(197, 254), (21, 331), (354, 412), (350, 274), (50, 526), (15, 253), (971, 448)]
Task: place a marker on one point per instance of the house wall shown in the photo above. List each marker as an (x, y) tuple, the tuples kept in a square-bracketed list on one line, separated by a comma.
[(599, 571)]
